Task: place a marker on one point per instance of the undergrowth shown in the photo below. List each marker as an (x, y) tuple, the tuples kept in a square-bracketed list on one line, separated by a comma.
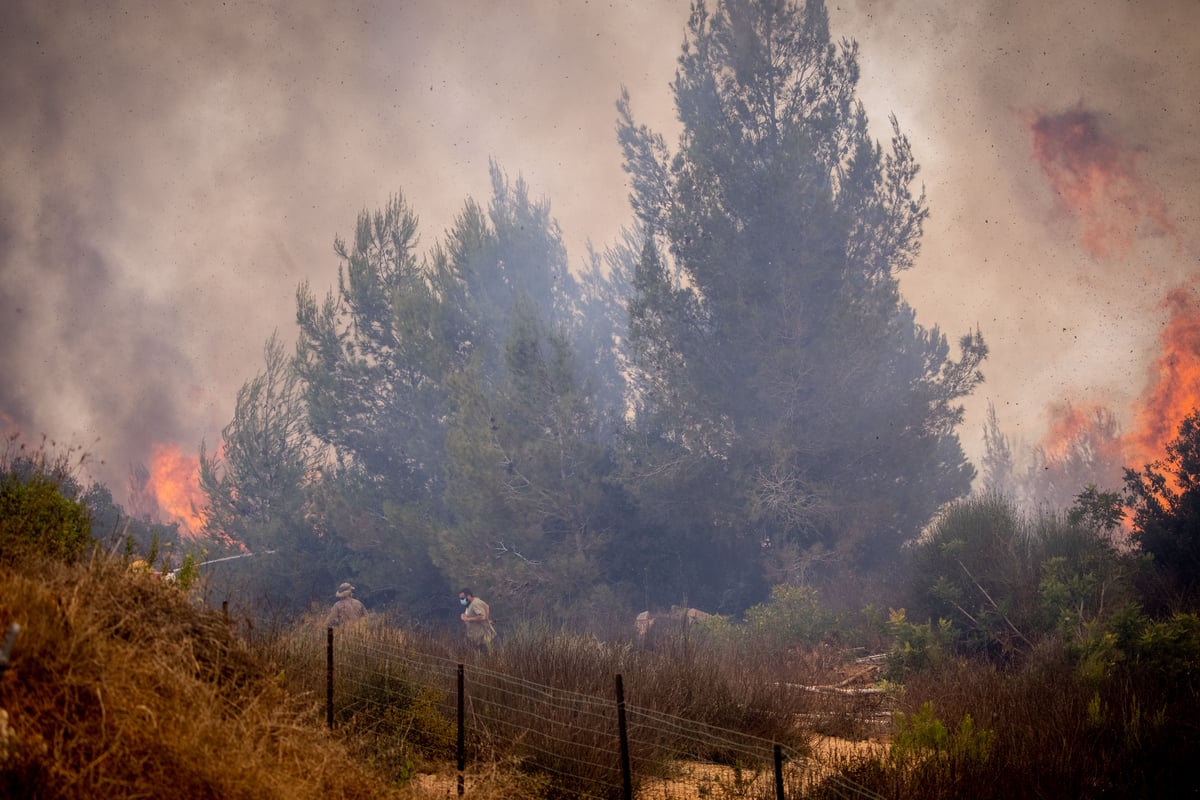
[(119, 686)]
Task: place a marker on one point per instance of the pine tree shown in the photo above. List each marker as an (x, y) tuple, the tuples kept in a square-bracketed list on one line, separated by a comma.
[(785, 392), (405, 368), (259, 486), (1164, 498)]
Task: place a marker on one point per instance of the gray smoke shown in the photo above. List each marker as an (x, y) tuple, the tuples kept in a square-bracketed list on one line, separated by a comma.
[(1001, 251), (171, 172)]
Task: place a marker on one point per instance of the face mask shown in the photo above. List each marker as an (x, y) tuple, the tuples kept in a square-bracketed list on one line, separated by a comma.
[(462, 601)]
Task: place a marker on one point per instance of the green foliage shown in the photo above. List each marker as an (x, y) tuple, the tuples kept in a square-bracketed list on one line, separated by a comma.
[(256, 485), (371, 362), (532, 489), (1165, 501), (1168, 652), (794, 616), (1006, 579), (918, 733), (975, 567), (413, 725), (261, 485), (35, 519), (783, 389), (1097, 654), (38, 516), (1074, 593), (188, 573), (465, 440), (916, 646), (922, 735), (366, 385), (1097, 509)]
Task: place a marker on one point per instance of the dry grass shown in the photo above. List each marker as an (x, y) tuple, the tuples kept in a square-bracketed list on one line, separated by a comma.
[(119, 686), (522, 742), (122, 686)]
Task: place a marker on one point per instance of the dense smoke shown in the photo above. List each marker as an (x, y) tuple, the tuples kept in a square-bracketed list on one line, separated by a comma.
[(171, 173), (1012, 105)]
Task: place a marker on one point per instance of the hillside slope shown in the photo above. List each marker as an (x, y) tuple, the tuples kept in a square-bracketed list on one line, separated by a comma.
[(119, 686)]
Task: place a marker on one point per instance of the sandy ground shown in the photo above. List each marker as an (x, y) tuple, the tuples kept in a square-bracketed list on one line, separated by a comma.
[(692, 779)]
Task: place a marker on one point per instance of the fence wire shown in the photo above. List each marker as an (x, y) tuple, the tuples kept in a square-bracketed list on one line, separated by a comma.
[(571, 738)]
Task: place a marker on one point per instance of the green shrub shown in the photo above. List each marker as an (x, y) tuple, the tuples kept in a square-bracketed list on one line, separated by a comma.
[(1169, 652), (918, 733), (926, 759), (916, 647), (793, 616), (922, 735), (36, 520)]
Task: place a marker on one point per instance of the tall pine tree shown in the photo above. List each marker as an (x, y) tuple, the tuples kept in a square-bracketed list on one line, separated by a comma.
[(787, 399)]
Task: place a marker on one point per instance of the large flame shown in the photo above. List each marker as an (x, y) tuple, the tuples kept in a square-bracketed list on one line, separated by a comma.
[(1171, 394), (1174, 392), (1097, 180), (174, 482)]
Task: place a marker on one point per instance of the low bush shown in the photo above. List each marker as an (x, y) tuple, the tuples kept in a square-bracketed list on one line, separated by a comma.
[(36, 520), (1048, 728)]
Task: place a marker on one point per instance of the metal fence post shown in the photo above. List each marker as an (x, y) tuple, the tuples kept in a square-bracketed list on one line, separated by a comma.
[(779, 772), (623, 735), (329, 678), (462, 751)]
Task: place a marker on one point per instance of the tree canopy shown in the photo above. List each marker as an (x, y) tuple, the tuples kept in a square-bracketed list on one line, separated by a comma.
[(775, 357), (1164, 498), (734, 393)]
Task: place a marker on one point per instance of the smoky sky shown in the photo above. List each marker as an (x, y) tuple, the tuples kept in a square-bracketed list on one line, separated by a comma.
[(1003, 250), (170, 172)]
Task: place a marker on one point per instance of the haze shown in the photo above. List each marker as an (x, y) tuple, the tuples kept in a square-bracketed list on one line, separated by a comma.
[(171, 172)]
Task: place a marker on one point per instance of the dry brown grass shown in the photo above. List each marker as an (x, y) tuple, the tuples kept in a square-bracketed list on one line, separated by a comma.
[(120, 686)]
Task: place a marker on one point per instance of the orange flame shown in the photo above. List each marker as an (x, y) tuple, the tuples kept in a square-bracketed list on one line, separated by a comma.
[(1073, 425), (1097, 180), (1175, 389), (1172, 393), (1082, 446), (174, 482)]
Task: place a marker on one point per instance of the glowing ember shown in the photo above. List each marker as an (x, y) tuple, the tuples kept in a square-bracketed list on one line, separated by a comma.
[(174, 482), (1097, 180)]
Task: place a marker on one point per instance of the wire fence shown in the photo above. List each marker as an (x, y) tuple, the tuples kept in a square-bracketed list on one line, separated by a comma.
[(586, 745)]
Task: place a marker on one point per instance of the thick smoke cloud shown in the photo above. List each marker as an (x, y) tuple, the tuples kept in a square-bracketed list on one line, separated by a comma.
[(971, 82), (171, 172)]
